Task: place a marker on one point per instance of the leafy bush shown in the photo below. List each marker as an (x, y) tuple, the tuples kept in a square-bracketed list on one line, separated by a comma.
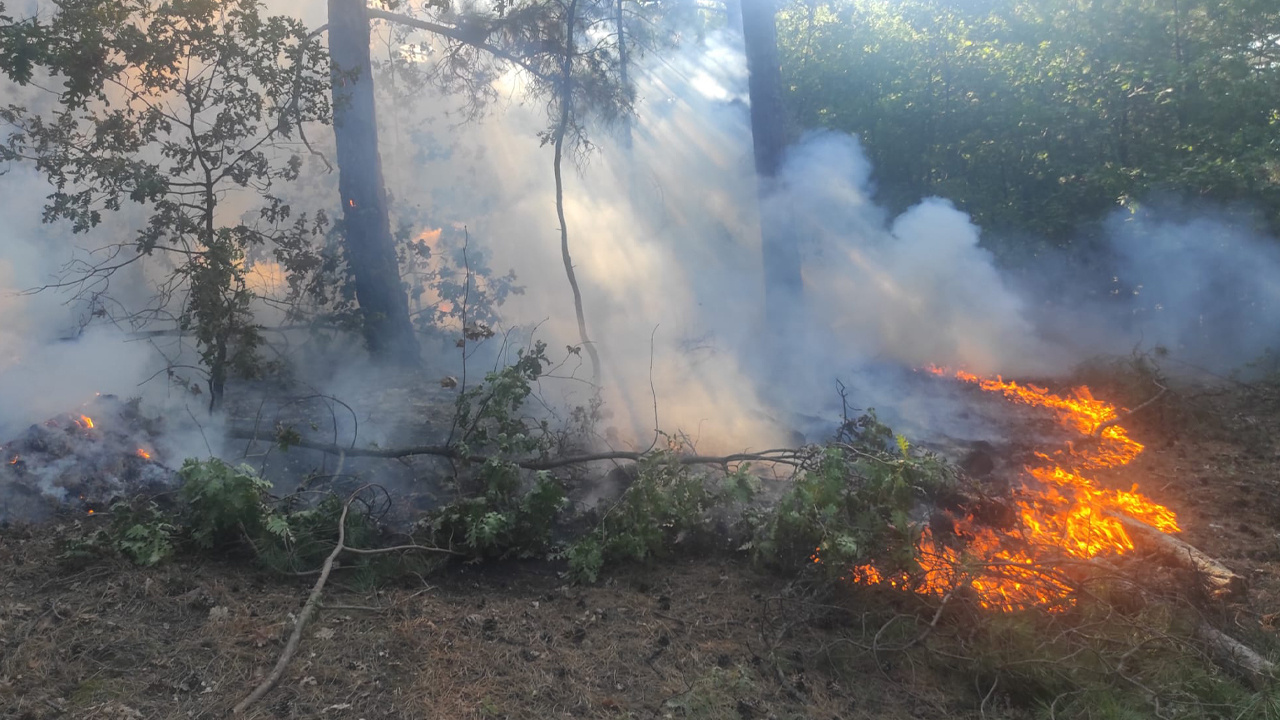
[(499, 517), (668, 505), (853, 504), (503, 521), (226, 505), (145, 535)]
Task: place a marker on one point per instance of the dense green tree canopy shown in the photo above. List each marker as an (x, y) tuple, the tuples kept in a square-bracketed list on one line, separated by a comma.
[(1039, 115)]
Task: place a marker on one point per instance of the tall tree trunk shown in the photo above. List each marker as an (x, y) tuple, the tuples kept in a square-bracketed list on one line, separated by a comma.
[(370, 246), (769, 134)]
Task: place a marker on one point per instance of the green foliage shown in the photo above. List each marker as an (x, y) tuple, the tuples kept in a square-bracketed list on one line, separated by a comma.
[(1036, 116), (1100, 662), (716, 695), (488, 415), (145, 534), (21, 47), (227, 504), (501, 517), (853, 505), (170, 106), (503, 521), (667, 506), (231, 507), (140, 531)]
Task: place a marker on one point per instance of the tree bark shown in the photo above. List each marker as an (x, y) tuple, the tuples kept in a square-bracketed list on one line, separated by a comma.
[(769, 135), (370, 247)]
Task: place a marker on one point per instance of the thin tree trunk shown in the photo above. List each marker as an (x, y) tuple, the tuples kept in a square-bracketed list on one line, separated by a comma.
[(566, 101), (370, 247), (769, 134), (623, 76)]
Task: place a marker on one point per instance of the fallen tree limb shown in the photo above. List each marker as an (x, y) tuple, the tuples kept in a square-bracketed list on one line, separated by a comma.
[(786, 456), (308, 611), (1221, 580), (1097, 432), (1237, 657)]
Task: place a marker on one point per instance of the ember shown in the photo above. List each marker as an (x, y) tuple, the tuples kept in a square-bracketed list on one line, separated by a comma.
[(1064, 515), (76, 462)]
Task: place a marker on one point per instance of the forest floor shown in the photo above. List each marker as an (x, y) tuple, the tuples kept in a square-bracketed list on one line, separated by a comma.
[(697, 638)]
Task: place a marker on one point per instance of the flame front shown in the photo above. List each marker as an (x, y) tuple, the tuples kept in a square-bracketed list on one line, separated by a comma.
[(86, 422), (1065, 516), (144, 454)]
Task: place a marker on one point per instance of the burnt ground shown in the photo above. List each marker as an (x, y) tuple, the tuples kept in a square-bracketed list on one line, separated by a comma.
[(698, 638)]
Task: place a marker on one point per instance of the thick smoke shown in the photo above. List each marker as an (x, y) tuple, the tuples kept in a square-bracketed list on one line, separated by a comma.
[(665, 240), (1205, 287), (50, 362)]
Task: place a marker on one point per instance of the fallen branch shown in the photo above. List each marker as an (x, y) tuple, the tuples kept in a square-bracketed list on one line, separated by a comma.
[(1097, 432), (1237, 657), (1221, 580), (308, 611), (786, 456)]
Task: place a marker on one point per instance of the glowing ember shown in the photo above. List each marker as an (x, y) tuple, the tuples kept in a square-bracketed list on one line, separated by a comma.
[(1066, 516), (13, 460), (86, 422), (144, 454), (91, 512)]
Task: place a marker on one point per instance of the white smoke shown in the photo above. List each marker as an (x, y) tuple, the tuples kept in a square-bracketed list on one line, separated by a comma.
[(665, 240), (1206, 288)]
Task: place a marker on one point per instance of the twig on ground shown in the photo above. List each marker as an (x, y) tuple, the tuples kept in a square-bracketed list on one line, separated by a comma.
[(308, 610), (1097, 432)]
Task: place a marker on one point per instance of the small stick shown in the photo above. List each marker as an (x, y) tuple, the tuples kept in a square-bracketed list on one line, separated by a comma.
[(308, 610), (1097, 432)]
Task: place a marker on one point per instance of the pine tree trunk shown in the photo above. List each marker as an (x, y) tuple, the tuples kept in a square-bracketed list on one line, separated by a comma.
[(370, 247), (769, 134)]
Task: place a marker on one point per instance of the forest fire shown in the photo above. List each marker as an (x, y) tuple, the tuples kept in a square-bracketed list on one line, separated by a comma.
[(85, 422), (143, 454), (1063, 515)]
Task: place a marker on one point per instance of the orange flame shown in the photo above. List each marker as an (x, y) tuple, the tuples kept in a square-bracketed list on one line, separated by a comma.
[(13, 460), (86, 422), (144, 454), (1063, 516)]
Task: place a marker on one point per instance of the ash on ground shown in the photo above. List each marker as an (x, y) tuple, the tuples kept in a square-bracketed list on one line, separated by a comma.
[(81, 461)]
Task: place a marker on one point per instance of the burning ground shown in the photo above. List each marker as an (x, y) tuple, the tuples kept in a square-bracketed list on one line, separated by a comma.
[(713, 636)]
